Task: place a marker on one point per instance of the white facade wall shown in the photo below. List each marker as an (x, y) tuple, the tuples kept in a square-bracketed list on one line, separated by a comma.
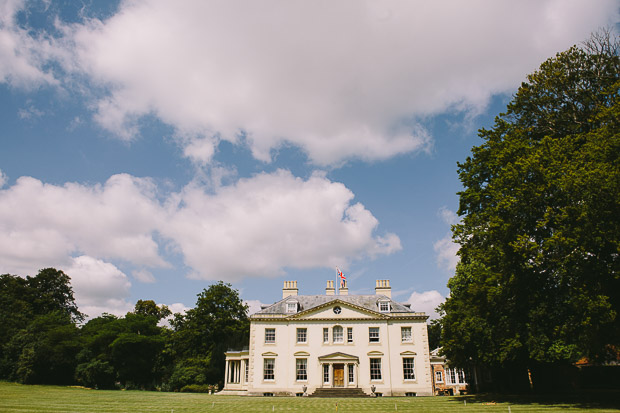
[(286, 350)]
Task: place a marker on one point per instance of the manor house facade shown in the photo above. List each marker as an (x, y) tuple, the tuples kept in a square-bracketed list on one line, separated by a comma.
[(304, 343)]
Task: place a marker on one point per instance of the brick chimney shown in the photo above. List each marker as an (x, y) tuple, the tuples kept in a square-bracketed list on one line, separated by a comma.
[(344, 290), (330, 290), (383, 288), (290, 288)]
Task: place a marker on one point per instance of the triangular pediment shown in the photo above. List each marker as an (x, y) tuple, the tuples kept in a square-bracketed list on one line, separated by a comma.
[(346, 311), (338, 356)]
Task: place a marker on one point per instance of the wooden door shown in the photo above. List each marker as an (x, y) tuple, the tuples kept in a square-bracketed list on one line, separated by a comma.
[(338, 375)]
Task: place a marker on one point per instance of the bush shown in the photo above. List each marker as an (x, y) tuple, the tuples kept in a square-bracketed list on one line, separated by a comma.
[(196, 388)]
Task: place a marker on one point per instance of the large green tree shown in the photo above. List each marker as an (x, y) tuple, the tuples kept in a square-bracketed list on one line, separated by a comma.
[(538, 280), (37, 328), (201, 336)]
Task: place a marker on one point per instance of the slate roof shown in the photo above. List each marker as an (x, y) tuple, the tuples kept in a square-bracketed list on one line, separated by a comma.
[(307, 302)]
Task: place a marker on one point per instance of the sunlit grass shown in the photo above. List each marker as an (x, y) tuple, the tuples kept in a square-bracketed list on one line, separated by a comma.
[(22, 398)]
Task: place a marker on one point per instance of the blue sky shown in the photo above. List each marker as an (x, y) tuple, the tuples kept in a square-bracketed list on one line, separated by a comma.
[(150, 148)]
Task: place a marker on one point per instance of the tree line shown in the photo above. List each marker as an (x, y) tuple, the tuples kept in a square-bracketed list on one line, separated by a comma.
[(538, 284), (44, 339)]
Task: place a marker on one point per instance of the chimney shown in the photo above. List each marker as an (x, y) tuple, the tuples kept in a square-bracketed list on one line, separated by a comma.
[(290, 288), (344, 290), (329, 290), (383, 288)]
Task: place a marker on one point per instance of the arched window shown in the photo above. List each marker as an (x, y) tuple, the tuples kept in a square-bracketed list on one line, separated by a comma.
[(338, 334)]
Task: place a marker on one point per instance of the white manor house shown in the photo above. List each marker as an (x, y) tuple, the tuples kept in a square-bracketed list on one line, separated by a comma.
[(317, 344)]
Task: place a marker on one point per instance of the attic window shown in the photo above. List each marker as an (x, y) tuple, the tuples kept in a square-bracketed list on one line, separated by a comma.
[(384, 306), (291, 307)]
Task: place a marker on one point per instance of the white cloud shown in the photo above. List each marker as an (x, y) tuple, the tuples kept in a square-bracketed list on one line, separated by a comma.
[(446, 251), (427, 302), (143, 275), (337, 79), (256, 227), (448, 216), (265, 223), (99, 287), (42, 224)]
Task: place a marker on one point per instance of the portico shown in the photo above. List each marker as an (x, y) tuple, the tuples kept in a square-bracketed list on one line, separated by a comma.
[(339, 370)]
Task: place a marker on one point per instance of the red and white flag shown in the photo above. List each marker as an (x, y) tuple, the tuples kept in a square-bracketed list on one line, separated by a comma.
[(342, 277)]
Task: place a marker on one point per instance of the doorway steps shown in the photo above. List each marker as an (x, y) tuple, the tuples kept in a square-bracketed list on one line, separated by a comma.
[(338, 392)]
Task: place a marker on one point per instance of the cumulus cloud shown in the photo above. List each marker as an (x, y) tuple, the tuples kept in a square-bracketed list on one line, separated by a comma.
[(427, 302), (100, 287), (42, 224), (270, 221), (255, 227), (340, 80), (445, 248)]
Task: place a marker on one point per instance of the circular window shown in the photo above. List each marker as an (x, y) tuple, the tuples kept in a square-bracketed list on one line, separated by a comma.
[(337, 310)]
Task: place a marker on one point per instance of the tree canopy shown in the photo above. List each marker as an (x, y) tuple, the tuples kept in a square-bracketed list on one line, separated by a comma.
[(538, 278)]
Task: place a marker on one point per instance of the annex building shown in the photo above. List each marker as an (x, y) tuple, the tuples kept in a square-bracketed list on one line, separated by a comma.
[(308, 344)]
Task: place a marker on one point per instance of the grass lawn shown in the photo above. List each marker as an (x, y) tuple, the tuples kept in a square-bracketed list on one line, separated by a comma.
[(22, 398)]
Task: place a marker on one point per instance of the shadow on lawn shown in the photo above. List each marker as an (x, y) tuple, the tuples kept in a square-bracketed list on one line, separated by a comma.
[(608, 399)]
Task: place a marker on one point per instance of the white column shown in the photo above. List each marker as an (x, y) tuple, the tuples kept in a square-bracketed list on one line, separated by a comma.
[(226, 371)]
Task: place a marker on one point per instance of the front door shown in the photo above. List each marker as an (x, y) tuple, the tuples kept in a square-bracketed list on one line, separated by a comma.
[(338, 375)]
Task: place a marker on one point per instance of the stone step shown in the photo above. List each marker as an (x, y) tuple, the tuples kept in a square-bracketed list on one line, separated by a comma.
[(338, 392)]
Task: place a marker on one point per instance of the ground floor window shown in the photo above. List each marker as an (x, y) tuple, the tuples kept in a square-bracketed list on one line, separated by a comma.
[(375, 369), (351, 378), (269, 369), (302, 369), (408, 368), (247, 370), (325, 373), (438, 377)]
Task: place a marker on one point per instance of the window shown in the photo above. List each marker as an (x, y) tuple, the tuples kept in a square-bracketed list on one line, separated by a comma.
[(408, 369), (302, 369), (461, 375), (302, 335), (373, 334), (451, 376), (438, 377), (326, 335), (291, 307), (349, 334), (351, 378), (325, 373), (405, 334), (270, 335), (247, 370), (268, 369), (338, 337), (375, 369), (384, 306)]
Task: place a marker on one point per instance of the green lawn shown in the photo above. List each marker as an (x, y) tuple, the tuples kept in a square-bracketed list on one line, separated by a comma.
[(22, 398)]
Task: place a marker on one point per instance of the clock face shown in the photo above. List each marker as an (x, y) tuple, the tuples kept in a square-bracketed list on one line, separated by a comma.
[(337, 310)]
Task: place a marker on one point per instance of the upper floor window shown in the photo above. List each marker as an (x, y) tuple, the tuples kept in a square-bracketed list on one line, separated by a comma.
[(270, 335), (291, 307), (349, 334), (338, 334), (384, 306), (373, 334), (302, 335), (405, 335), (325, 335)]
